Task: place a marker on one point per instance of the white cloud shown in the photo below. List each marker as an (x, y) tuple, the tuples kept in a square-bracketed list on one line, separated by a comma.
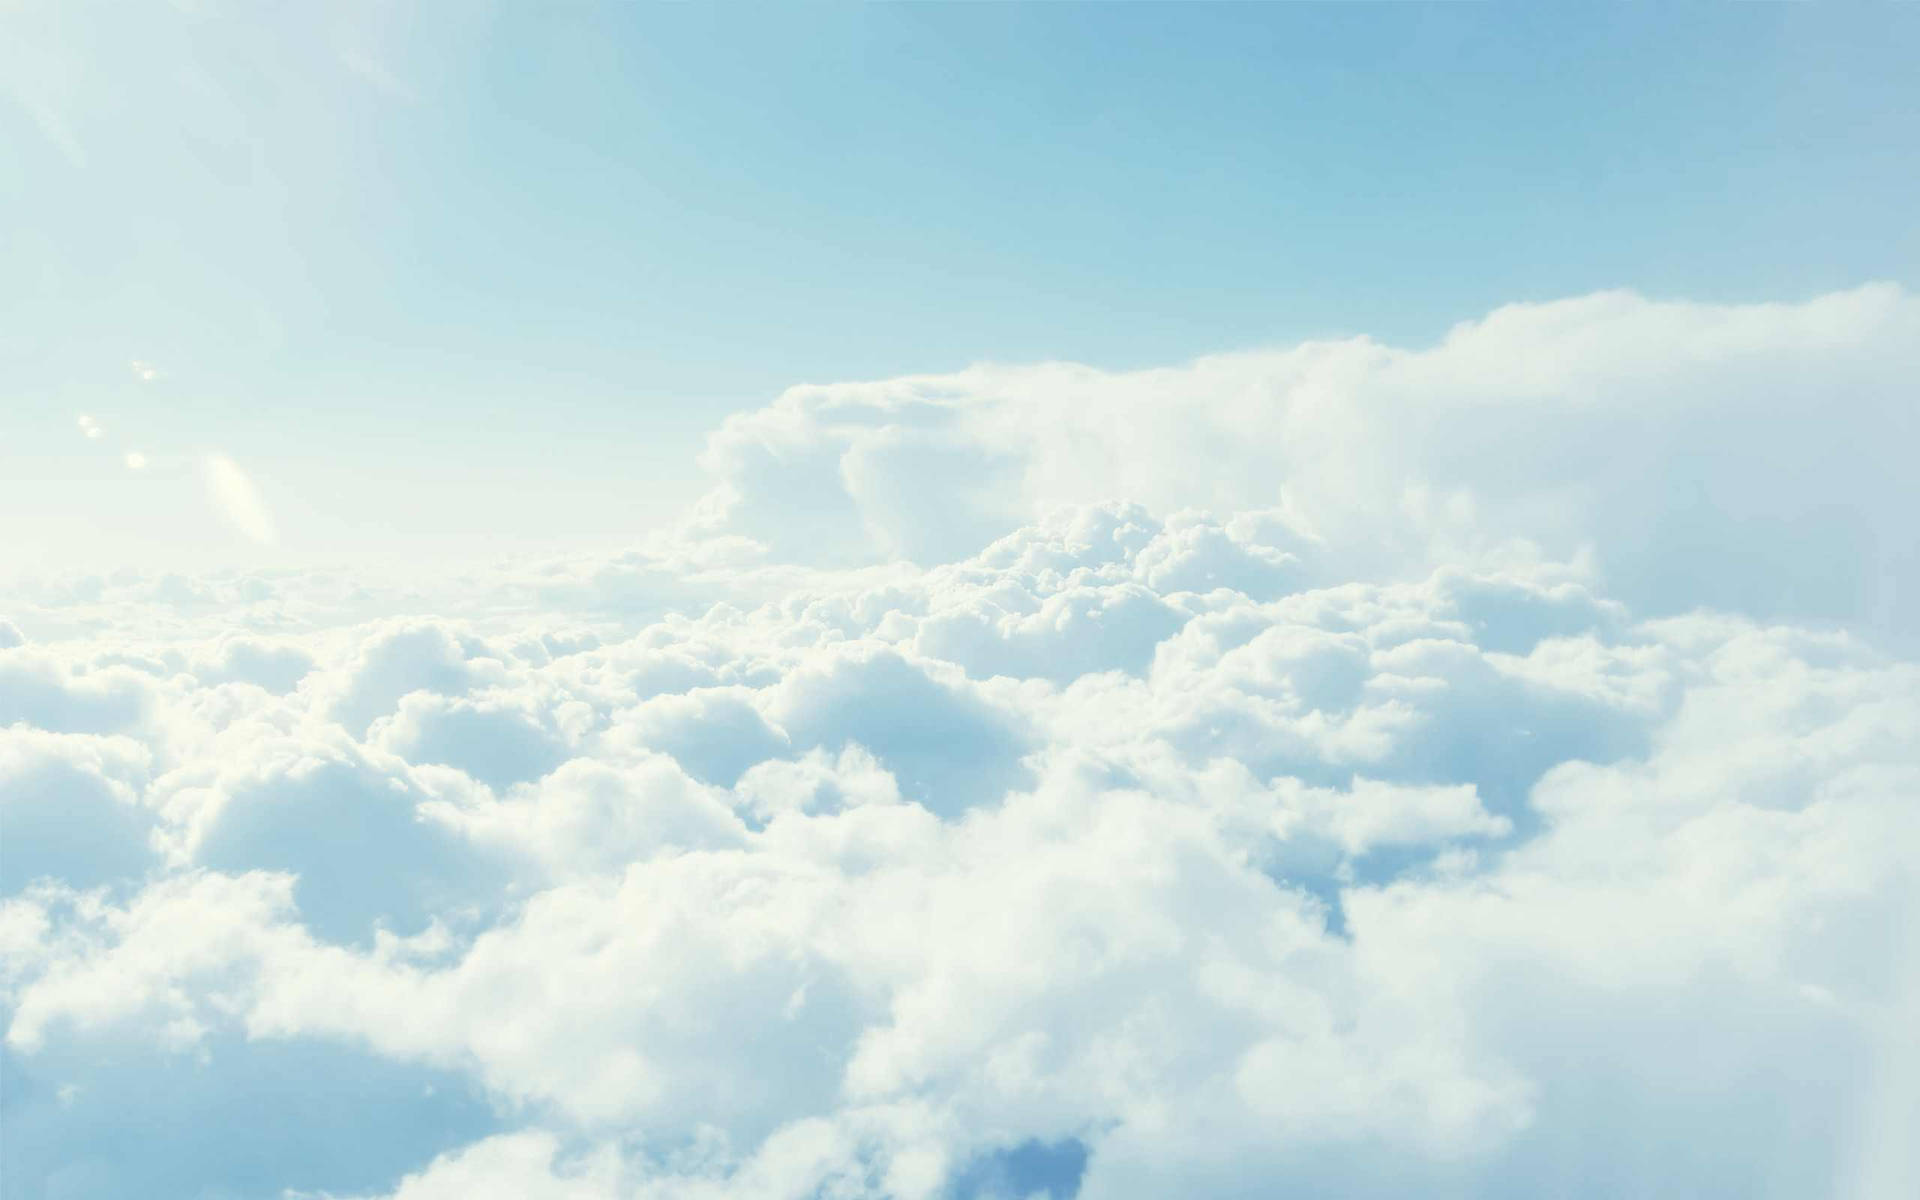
[(515, 1166), (497, 741), (1699, 449), (277, 666), (41, 691), (1274, 820), (69, 806)]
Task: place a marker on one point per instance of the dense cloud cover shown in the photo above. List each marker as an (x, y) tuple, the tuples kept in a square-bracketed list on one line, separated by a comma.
[(1488, 771)]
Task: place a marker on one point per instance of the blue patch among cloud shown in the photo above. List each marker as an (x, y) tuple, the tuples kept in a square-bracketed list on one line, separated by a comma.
[(122, 1119), (1029, 1171)]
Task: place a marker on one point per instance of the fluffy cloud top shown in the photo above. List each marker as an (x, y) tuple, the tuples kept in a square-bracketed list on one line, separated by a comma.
[(1750, 457), (1483, 771)]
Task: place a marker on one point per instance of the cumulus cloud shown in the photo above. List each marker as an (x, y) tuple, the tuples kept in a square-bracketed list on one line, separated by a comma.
[(276, 666), (1314, 776), (70, 810), (1740, 456), (43, 691)]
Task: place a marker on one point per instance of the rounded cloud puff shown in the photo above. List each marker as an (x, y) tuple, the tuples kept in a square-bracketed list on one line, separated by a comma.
[(1746, 457)]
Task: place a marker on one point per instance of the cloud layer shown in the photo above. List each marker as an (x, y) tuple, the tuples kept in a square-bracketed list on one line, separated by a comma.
[(1483, 771)]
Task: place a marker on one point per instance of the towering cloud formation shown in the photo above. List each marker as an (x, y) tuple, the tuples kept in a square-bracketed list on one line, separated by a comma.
[(1753, 458), (1483, 771)]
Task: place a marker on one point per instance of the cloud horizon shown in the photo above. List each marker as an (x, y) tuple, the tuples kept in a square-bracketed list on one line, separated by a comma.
[(1468, 771)]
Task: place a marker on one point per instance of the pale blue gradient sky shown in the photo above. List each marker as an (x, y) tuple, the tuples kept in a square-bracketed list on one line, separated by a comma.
[(454, 277)]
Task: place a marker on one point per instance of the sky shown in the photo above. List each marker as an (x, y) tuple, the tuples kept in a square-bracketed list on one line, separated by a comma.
[(445, 277), (607, 602)]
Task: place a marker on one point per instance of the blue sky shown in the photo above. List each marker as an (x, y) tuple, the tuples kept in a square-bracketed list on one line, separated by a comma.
[(459, 251), (909, 603)]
